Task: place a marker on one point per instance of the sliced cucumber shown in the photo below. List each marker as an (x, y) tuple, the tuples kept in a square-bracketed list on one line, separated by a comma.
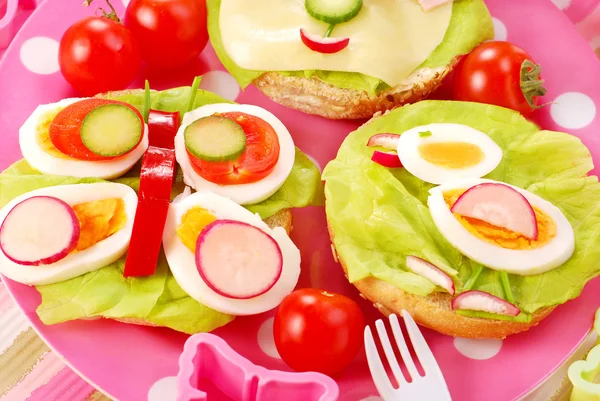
[(215, 138), (333, 11), (111, 130)]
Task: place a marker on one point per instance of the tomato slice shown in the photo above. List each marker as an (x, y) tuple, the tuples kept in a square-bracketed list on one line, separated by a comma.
[(65, 129), (257, 161)]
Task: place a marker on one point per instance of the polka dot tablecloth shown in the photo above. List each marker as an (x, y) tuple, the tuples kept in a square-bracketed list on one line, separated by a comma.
[(30, 371)]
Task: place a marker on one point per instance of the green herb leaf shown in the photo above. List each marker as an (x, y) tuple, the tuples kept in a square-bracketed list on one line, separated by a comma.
[(424, 134)]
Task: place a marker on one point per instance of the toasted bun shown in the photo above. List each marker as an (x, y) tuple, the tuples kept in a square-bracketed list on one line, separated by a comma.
[(314, 96), (435, 310), (283, 219)]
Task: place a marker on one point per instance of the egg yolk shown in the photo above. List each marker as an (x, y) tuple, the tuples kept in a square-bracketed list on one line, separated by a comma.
[(192, 224), (99, 220), (451, 154), (501, 236), (43, 134)]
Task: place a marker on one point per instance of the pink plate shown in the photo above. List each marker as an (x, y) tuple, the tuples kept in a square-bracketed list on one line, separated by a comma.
[(126, 361)]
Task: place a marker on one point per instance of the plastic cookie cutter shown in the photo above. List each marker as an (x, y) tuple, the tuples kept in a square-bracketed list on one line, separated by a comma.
[(583, 374), (7, 26), (208, 357)]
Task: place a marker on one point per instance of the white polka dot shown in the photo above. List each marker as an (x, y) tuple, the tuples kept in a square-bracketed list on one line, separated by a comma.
[(221, 83), (562, 4), (573, 110), (372, 398), (500, 32), (477, 349), (40, 55), (312, 159), (265, 339), (125, 2), (164, 389)]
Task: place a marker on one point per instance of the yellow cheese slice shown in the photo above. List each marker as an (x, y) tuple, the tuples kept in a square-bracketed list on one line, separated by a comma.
[(389, 39)]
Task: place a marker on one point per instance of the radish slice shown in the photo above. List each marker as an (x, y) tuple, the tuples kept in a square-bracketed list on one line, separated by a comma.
[(238, 260), (388, 141), (387, 159), (430, 272), (499, 205), (482, 301), (39, 231), (323, 45)]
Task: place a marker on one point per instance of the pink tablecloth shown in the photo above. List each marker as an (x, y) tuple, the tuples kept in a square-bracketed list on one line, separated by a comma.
[(32, 372)]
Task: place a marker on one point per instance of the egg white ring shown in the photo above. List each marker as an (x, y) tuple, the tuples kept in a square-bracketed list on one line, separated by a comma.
[(182, 261), (48, 164), (409, 143), (95, 257), (243, 194), (521, 262)]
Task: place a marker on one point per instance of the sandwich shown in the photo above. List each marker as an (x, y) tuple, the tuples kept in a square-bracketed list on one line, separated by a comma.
[(346, 60), (467, 215), (125, 204)]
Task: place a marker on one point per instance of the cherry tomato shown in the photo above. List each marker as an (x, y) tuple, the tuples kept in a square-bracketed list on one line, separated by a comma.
[(257, 161), (499, 73), (170, 32), (318, 331), (65, 128), (97, 54)]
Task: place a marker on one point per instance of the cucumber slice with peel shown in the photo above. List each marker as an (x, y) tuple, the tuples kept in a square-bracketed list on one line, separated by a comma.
[(333, 11), (215, 138), (111, 130)]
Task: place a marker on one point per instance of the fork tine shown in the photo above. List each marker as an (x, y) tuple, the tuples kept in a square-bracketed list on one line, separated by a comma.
[(389, 352), (401, 341), (430, 365), (380, 377)]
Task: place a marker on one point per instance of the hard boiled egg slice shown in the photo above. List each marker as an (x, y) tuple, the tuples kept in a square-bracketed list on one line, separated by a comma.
[(499, 248), (437, 153), (105, 212), (39, 152), (243, 194), (186, 220)]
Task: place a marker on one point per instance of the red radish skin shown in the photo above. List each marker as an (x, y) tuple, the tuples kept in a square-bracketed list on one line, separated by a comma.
[(323, 45), (229, 261), (388, 141), (484, 302), (499, 205), (387, 159), (430, 272), (40, 230)]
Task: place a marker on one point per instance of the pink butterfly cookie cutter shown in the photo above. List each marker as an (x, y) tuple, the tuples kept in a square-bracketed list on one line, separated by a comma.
[(7, 21), (208, 357)]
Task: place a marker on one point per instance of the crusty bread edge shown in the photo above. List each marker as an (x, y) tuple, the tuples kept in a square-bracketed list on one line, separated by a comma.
[(314, 96), (435, 311)]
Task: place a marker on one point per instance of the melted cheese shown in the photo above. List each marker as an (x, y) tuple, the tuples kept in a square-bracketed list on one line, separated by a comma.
[(389, 39)]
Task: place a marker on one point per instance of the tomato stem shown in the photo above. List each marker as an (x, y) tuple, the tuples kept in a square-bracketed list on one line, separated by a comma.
[(110, 15), (531, 83), (328, 33)]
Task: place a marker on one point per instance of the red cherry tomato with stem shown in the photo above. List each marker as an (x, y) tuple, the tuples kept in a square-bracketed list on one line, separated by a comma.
[(315, 330), (170, 32), (98, 54), (499, 73)]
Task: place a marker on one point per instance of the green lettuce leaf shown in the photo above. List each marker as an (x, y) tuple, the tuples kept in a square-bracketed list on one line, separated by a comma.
[(379, 216), (470, 25), (156, 300)]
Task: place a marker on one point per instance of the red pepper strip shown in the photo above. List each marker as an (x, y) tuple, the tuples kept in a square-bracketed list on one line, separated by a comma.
[(156, 180), (157, 174), (163, 135)]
